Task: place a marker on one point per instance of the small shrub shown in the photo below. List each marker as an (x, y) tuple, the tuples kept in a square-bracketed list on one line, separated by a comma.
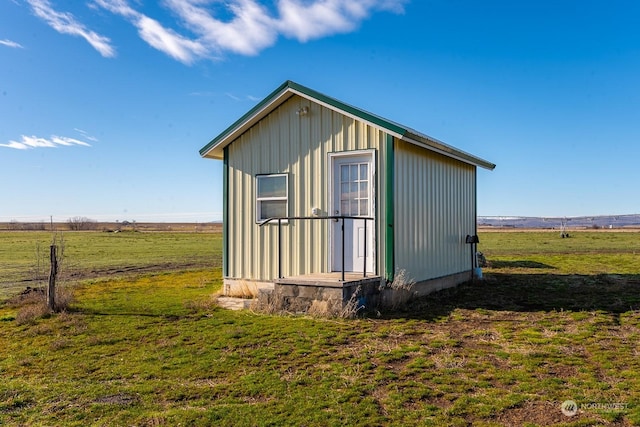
[(351, 308), (64, 298), (32, 303), (330, 308), (28, 314), (203, 304), (267, 302), (26, 297), (401, 289), (60, 343), (318, 308)]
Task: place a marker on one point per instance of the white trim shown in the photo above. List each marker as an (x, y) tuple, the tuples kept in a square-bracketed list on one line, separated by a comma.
[(256, 200)]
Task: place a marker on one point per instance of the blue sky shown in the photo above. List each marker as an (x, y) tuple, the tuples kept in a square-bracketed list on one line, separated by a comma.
[(105, 104)]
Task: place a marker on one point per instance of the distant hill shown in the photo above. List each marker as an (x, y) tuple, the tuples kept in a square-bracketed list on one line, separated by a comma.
[(600, 221)]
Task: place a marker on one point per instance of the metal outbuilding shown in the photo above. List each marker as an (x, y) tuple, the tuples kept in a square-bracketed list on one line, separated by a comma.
[(318, 191)]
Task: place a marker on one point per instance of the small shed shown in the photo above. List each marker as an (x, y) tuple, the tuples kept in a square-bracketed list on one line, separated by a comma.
[(325, 201)]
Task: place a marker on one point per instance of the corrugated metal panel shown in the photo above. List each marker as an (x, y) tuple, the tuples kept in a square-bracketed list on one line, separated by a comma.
[(284, 142), (434, 211)]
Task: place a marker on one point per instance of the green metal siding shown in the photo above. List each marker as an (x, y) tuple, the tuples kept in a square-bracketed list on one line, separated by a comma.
[(284, 142), (434, 210)]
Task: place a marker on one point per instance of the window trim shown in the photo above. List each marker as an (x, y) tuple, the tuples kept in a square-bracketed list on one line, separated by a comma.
[(258, 200)]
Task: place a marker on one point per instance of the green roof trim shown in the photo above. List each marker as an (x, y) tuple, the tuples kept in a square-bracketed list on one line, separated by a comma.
[(364, 115), (358, 112), (289, 88), (244, 118)]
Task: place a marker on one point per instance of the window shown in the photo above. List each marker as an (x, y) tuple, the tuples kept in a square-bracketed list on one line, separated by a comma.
[(272, 199), (354, 189)]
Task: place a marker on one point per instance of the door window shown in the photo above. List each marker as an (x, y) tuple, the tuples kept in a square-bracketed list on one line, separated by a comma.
[(354, 189)]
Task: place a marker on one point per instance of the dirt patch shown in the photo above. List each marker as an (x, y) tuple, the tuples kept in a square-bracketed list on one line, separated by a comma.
[(546, 414), (134, 269)]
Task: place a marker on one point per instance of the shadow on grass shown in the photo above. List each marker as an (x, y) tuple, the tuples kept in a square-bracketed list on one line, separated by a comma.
[(94, 312), (520, 264), (614, 294)]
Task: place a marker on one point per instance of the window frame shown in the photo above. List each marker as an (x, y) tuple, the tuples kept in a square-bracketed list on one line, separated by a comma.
[(258, 200)]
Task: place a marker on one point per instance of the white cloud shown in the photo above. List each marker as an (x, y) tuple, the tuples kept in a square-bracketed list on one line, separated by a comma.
[(157, 36), (10, 43), (63, 140), (29, 142), (168, 41), (250, 30), (305, 21), (86, 135), (252, 26), (66, 23)]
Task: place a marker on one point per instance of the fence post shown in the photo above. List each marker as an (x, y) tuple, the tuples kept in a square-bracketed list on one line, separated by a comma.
[(51, 289)]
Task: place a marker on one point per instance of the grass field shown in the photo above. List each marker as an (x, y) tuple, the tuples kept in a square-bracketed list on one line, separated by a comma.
[(24, 256), (555, 320)]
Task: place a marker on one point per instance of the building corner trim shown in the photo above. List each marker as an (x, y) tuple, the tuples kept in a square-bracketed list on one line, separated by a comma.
[(225, 213), (389, 164)]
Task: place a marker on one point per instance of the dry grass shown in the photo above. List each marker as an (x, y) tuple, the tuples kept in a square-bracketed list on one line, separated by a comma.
[(32, 304), (352, 307), (241, 289), (203, 304), (265, 303), (400, 290), (28, 314), (64, 298), (319, 308)]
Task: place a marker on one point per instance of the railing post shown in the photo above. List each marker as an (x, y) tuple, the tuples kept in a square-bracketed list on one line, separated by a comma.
[(364, 273), (342, 276), (279, 248)]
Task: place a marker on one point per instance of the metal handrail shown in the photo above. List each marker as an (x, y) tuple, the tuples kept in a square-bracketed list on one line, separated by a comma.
[(334, 217)]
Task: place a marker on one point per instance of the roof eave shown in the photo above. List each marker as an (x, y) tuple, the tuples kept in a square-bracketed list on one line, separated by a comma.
[(445, 149), (214, 149)]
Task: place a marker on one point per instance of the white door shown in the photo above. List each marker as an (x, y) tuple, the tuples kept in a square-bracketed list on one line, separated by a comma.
[(352, 195)]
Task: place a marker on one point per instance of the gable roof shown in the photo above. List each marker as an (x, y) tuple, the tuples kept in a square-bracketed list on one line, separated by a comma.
[(214, 149)]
